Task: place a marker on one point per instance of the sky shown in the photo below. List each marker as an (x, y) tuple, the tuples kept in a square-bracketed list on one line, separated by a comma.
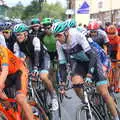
[(27, 2)]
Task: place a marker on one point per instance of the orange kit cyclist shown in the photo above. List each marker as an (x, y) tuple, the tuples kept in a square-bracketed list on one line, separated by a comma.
[(13, 71), (114, 52)]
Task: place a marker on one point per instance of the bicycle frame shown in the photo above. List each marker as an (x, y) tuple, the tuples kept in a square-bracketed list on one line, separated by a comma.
[(12, 112), (37, 98)]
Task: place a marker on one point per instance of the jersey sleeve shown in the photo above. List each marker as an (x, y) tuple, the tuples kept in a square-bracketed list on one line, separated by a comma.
[(2, 40), (3, 56), (105, 37), (81, 39), (61, 56)]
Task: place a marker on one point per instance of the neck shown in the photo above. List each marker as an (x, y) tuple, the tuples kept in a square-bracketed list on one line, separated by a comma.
[(68, 39)]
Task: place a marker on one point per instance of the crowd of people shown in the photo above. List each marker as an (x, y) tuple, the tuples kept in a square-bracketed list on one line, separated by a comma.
[(89, 49)]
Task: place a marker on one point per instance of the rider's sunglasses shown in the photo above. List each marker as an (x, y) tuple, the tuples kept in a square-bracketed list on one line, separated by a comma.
[(111, 33), (48, 28), (93, 31), (19, 34), (6, 31)]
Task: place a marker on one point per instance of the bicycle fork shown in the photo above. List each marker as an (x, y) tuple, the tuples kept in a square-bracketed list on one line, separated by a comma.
[(88, 105)]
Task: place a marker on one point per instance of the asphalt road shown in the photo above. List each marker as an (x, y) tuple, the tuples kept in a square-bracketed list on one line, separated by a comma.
[(69, 106)]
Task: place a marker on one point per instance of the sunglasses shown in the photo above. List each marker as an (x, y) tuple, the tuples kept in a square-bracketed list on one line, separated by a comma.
[(47, 28), (19, 34), (7, 31), (93, 31), (111, 33)]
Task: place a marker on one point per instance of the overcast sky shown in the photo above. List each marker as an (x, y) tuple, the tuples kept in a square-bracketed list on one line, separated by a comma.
[(27, 2)]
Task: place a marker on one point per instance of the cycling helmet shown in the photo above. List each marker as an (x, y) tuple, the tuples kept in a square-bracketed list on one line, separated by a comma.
[(20, 28), (111, 29), (93, 26), (35, 21), (56, 20), (71, 23), (47, 21), (59, 27), (7, 25)]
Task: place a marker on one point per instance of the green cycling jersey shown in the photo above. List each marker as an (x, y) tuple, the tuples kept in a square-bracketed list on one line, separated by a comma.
[(50, 42)]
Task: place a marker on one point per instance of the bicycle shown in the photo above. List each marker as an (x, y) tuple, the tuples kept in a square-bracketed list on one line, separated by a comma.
[(64, 86), (93, 105), (40, 95)]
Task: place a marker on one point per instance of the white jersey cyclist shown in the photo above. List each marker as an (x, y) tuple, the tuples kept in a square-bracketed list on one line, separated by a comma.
[(77, 47)]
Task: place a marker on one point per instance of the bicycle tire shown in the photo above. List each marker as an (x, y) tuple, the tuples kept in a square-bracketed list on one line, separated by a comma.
[(82, 113)]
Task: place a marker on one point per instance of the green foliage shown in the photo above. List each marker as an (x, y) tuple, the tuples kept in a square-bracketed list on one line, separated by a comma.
[(52, 10), (16, 11), (32, 10), (37, 9)]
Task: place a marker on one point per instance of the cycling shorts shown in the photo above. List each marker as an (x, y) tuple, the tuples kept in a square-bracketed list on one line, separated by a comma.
[(19, 80), (81, 68)]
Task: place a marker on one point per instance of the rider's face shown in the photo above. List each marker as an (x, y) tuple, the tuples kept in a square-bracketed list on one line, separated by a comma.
[(60, 37), (93, 32), (36, 28), (7, 33), (21, 37), (111, 36)]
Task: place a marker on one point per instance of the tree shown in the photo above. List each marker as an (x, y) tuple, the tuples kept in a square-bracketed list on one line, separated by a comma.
[(37, 8), (48, 10), (16, 11), (33, 9)]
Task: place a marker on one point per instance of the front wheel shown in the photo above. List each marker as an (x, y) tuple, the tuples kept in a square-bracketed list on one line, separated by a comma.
[(83, 114)]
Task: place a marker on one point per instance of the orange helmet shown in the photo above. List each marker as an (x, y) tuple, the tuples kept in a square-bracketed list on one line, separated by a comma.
[(111, 29), (93, 26)]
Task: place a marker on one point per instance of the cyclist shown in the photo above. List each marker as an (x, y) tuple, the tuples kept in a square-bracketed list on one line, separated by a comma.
[(36, 29), (13, 72), (100, 52), (114, 41), (98, 35), (38, 56), (49, 39), (73, 47), (8, 35)]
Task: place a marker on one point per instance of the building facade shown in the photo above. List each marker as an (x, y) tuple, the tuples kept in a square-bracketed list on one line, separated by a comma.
[(103, 10)]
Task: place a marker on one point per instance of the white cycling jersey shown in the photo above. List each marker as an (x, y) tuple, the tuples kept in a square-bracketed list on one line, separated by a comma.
[(77, 47), (2, 40)]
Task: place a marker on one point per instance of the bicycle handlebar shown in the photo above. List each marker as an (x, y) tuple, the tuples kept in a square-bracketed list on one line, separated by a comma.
[(10, 100)]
